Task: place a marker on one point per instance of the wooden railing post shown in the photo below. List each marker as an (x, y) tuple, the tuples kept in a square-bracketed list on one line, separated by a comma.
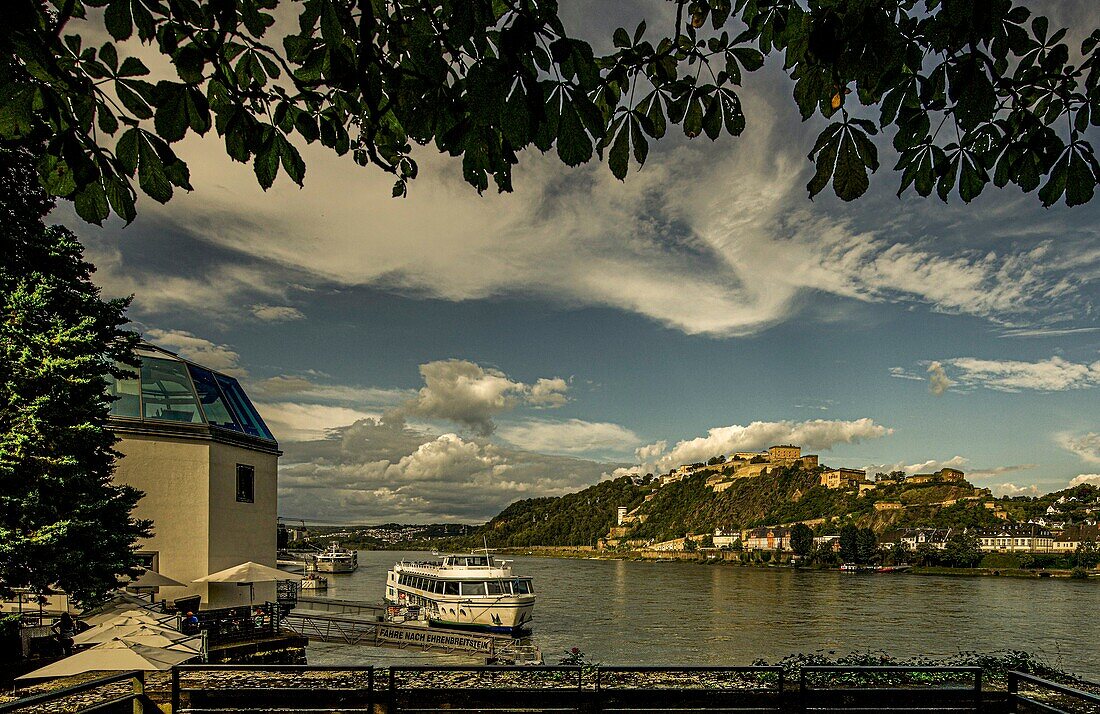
[(1013, 691), (139, 692)]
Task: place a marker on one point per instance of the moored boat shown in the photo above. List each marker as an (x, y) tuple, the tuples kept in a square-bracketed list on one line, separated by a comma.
[(313, 582), (471, 591), (335, 559)]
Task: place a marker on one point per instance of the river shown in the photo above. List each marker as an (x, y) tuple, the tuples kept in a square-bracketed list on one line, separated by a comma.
[(620, 612)]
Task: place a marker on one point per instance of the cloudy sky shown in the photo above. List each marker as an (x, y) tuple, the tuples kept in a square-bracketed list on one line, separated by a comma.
[(437, 357)]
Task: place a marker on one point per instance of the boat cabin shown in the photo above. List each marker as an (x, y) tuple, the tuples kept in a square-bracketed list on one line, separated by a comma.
[(466, 588)]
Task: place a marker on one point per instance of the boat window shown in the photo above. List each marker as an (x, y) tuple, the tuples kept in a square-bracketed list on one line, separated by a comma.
[(439, 586), (475, 562), (452, 588), (522, 587), (496, 587), (473, 588)]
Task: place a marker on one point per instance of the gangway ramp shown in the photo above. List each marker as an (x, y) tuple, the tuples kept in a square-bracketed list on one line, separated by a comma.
[(357, 623)]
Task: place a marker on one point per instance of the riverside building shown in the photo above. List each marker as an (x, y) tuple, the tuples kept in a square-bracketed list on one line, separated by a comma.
[(193, 442)]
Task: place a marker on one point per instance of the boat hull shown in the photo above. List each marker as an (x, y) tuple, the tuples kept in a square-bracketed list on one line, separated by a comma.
[(324, 566)]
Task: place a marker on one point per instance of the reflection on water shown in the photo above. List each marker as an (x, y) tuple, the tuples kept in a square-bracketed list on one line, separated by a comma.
[(682, 613)]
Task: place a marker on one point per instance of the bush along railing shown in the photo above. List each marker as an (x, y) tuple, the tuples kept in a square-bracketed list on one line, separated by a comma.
[(114, 696), (1043, 695), (242, 688)]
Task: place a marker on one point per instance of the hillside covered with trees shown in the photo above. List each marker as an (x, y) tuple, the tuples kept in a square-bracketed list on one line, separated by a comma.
[(580, 518), (785, 496)]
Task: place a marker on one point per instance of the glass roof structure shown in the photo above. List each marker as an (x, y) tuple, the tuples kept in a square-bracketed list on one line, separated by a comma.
[(167, 388)]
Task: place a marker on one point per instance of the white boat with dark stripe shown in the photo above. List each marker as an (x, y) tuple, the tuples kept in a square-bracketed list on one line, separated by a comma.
[(469, 591)]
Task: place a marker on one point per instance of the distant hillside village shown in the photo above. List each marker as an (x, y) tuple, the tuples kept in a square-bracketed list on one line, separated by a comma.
[(992, 525)]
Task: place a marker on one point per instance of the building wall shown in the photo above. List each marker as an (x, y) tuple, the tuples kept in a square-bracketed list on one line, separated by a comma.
[(239, 532), (173, 475), (199, 527), (784, 453)]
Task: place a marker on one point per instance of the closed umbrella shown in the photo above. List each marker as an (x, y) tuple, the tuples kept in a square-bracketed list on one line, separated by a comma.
[(115, 656)]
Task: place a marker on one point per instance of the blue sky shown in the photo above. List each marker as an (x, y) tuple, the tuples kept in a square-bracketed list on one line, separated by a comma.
[(499, 347)]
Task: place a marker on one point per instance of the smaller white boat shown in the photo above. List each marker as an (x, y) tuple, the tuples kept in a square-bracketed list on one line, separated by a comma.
[(313, 582), (336, 560)]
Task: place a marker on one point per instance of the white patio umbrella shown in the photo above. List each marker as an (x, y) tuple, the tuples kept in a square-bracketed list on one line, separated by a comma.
[(115, 656), (130, 617), (110, 631), (152, 579), (248, 574), (185, 644)]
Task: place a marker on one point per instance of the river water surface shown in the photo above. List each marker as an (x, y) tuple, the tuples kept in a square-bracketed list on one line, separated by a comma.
[(626, 612)]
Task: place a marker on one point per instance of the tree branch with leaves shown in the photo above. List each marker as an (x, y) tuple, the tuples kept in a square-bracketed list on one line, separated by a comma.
[(485, 79)]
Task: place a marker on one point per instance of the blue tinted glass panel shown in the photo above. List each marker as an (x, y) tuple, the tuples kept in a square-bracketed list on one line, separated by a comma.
[(166, 392), (126, 393), (246, 414), (213, 403)]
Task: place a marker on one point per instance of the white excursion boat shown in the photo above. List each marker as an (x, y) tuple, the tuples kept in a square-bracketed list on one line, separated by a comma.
[(336, 560), (464, 591)]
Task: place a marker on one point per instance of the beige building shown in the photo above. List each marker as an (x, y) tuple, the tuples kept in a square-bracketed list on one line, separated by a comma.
[(784, 453), (1028, 538), (194, 444), (842, 478), (945, 475)]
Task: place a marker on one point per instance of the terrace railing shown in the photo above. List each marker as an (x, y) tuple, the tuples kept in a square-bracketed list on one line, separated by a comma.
[(886, 689), (236, 624), (262, 688), (199, 689), (115, 697), (1028, 693), (487, 689), (698, 689)]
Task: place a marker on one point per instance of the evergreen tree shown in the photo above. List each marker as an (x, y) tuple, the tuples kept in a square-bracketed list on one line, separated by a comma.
[(802, 539), (849, 544), (867, 547), (62, 522)]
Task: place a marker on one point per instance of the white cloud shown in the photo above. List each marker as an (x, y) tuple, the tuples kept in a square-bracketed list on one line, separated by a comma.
[(277, 313), (222, 358), (1011, 489), (548, 392), (999, 471), (664, 244), (1086, 446), (937, 379), (929, 466), (372, 471), (574, 436), (1051, 375), (1092, 479), (295, 421), (468, 394), (650, 452), (814, 435), (308, 390)]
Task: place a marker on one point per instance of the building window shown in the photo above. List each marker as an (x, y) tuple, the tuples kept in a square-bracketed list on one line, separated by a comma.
[(246, 483)]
